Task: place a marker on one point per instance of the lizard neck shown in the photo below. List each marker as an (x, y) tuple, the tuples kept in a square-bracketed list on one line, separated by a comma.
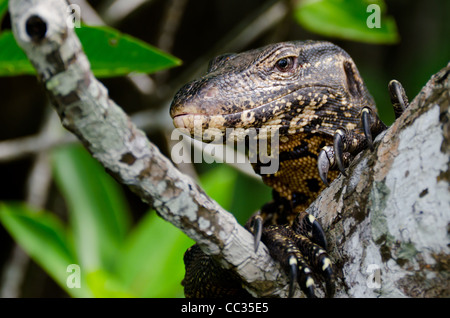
[(297, 183)]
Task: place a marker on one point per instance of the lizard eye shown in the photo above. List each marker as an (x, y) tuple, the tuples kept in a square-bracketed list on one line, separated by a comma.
[(285, 64)]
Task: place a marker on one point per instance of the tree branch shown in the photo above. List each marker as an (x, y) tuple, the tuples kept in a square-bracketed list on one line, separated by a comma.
[(387, 221), (85, 109)]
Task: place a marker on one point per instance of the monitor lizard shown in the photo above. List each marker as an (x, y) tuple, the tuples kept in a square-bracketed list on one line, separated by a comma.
[(312, 94)]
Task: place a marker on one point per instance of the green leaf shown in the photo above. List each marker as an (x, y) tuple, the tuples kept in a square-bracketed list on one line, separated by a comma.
[(98, 212), (13, 60), (152, 259), (246, 201), (346, 19), (104, 285), (3, 9), (219, 183), (112, 53), (44, 238)]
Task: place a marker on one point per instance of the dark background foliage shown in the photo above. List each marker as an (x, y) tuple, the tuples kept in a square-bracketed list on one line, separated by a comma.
[(204, 28)]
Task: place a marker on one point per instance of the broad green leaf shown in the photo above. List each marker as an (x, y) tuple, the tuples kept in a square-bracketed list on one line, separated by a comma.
[(45, 239), (152, 259), (3, 9), (13, 60), (98, 212), (244, 205), (104, 285), (110, 53), (219, 183), (346, 19)]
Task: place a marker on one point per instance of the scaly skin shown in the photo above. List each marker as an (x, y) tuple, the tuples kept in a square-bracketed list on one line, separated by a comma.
[(305, 90)]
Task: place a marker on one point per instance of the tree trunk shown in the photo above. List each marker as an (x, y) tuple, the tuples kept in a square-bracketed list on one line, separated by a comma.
[(387, 223)]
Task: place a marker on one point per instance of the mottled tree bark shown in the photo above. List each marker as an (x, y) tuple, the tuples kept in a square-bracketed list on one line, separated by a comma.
[(388, 220)]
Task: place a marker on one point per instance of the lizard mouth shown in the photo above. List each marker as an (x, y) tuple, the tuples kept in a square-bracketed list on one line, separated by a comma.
[(194, 122), (186, 120)]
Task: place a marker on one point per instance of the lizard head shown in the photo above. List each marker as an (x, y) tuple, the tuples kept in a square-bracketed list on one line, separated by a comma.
[(292, 86)]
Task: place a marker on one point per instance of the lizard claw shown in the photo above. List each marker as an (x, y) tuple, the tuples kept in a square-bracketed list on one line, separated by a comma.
[(324, 163), (398, 96), (293, 272), (308, 224), (345, 145), (365, 118), (301, 248), (338, 143), (257, 228), (327, 160), (305, 280), (292, 251), (296, 248)]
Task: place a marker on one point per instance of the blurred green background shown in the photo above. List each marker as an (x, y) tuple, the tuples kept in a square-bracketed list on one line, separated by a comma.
[(58, 206)]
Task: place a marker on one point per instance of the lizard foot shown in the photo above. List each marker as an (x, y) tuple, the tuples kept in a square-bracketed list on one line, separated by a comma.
[(347, 144), (300, 249), (326, 161), (372, 125)]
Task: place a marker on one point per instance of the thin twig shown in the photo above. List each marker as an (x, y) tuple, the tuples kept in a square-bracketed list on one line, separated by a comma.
[(85, 109), (38, 185)]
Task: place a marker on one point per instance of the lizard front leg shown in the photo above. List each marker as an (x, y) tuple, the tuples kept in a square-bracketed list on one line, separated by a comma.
[(300, 249)]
